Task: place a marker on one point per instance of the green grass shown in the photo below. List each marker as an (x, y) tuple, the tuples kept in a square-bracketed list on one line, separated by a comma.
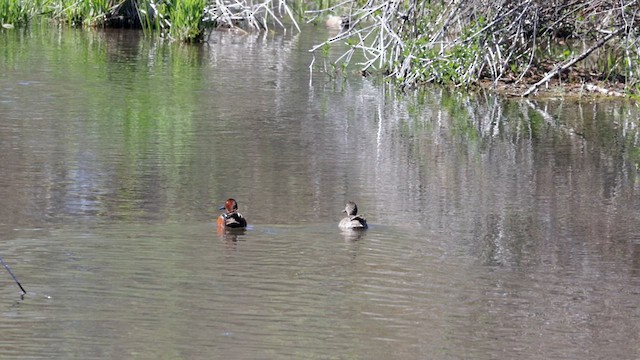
[(182, 20), (15, 12), (183, 17), (186, 19)]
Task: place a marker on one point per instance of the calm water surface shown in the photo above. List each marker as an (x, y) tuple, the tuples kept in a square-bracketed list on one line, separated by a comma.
[(499, 229)]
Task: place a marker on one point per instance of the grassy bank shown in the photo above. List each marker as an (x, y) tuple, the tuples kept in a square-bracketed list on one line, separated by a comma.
[(183, 20)]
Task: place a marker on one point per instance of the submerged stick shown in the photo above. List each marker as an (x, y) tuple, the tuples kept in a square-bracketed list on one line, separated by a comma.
[(13, 276)]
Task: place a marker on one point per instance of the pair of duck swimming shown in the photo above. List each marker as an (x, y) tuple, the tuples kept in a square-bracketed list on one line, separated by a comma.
[(231, 218)]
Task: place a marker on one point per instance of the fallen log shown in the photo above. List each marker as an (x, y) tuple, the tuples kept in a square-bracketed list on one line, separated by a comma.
[(571, 62)]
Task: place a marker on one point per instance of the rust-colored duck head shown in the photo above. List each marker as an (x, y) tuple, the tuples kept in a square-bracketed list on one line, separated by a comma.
[(230, 206)]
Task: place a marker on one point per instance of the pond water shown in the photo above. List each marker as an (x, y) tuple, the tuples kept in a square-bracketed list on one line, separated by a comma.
[(498, 228)]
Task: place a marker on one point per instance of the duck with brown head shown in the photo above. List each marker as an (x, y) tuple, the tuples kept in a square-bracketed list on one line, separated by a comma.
[(231, 218), (353, 220)]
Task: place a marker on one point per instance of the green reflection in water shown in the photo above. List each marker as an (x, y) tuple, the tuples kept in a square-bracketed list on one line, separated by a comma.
[(125, 95)]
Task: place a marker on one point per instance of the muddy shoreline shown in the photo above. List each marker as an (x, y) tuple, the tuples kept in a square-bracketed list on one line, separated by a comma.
[(555, 88)]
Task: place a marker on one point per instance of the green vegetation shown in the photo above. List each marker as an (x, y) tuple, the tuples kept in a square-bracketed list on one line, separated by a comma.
[(183, 20), (186, 19), (14, 12)]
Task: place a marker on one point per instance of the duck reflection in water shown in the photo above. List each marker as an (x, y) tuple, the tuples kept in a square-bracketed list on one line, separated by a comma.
[(352, 235), (231, 237)]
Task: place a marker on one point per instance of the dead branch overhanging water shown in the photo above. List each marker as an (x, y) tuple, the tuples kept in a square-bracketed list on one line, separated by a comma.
[(465, 42)]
